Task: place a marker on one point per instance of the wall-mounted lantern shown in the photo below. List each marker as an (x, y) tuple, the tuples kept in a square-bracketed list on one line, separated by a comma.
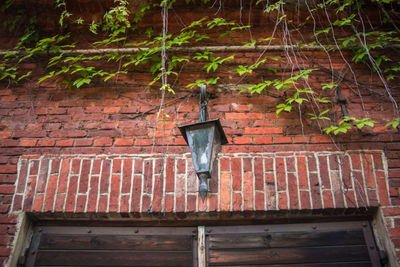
[(204, 139)]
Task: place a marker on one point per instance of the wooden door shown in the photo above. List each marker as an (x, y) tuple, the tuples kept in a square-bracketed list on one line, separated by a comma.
[(113, 246), (307, 245), (324, 244)]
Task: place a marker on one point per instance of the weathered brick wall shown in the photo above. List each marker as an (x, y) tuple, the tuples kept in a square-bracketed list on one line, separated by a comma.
[(99, 150)]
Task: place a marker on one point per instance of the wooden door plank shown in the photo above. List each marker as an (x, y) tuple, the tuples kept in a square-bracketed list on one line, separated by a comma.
[(201, 246), (113, 258), (335, 226), (110, 242), (288, 255), (294, 239), (335, 264)]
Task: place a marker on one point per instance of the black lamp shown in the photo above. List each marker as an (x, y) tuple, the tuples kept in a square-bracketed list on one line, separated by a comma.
[(204, 139)]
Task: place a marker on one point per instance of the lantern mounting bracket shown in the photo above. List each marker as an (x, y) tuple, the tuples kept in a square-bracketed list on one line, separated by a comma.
[(203, 112), (204, 139)]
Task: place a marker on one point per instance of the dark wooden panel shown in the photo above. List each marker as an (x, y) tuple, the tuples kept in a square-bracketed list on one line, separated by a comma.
[(340, 264), (113, 258), (333, 226), (109, 242), (288, 255), (293, 239)]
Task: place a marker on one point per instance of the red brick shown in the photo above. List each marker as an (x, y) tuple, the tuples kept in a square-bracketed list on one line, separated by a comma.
[(236, 174), (378, 161), (124, 204), (96, 166), (225, 187), (263, 130), (382, 188), (290, 164), (305, 203), (29, 193), (170, 175), (50, 193), (258, 174), (280, 173), (321, 139), (282, 201), (333, 162), (158, 195), (116, 165), (103, 204), (301, 139), (315, 191), (350, 199), (114, 193), (5, 252), (181, 166), (105, 141), (355, 161), (62, 184), (169, 203), (111, 109), (394, 173), (328, 200), (76, 166), (83, 142), (146, 203), (72, 189), (248, 189), (191, 203), (8, 169), (282, 140), (264, 140), (84, 176), (323, 166), (29, 134), (359, 189), (80, 203), (17, 203), (293, 191), (269, 164), (242, 140), (66, 142), (243, 116), (105, 176), (237, 201), (259, 201), (213, 202), (224, 164), (27, 142), (368, 171), (136, 193), (337, 189), (7, 189), (148, 176), (69, 133), (93, 194), (302, 172), (8, 219), (138, 166), (38, 203), (126, 176), (123, 142), (394, 232), (392, 211), (143, 142)]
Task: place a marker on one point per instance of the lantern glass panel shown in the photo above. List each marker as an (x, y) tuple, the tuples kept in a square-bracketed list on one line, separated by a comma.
[(200, 139)]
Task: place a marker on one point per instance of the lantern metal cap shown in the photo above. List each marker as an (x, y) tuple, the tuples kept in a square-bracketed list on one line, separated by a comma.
[(221, 132)]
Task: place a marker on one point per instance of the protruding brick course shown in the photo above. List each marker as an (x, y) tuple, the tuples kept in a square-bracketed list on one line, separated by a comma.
[(168, 183)]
